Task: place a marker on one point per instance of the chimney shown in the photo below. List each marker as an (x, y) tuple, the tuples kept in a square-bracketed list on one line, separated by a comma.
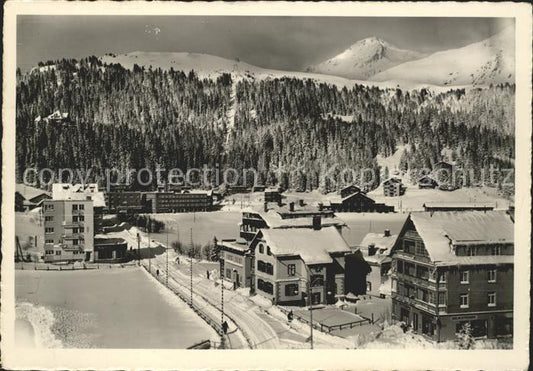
[(291, 206), (317, 222), (301, 202), (371, 249), (320, 206), (387, 233), (265, 206)]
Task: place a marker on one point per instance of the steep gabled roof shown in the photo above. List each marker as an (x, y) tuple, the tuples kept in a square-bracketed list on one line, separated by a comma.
[(313, 246), (442, 230)]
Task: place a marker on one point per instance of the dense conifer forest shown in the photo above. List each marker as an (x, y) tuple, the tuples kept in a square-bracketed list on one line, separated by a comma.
[(290, 129)]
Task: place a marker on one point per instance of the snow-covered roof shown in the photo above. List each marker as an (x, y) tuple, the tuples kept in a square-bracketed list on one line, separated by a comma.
[(336, 199), (440, 230), (460, 204), (65, 191), (273, 218), (313, 246), (234, 244), (29, 192), (393, 180), (381, 242)]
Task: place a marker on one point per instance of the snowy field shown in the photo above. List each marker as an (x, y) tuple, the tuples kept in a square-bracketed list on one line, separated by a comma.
[(113, 308)]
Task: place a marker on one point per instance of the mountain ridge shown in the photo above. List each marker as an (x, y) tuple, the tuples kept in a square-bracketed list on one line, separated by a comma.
[(365, 58)]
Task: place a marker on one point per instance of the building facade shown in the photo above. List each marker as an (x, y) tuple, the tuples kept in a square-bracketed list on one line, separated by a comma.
[(272, 216), (176, 202), (68, 230), (290, 263), (393, 187), (235, 262), (377, 250), (450, 268), (124, 202), (357, 203)]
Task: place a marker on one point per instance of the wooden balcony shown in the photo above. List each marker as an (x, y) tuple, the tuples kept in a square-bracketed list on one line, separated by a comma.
[(419, 282), (419, 304)]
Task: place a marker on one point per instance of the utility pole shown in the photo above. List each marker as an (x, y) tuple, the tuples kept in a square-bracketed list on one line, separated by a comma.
[(310, 309), (139, 248), (222, 304), (310, 303), (149, 249), (191, 254), (166, 276)]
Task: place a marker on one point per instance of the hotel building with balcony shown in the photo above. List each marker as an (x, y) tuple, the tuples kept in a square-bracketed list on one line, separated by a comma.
[(452, 268)]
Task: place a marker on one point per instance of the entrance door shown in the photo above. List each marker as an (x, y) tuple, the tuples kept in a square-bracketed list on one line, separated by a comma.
[(415, 322), (404, 315), (315, 298)]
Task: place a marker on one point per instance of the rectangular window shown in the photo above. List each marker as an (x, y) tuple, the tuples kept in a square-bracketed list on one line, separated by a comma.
[(81, 218), (443, 277), (463, 301), (492, 299), (442, 298), (492, 275), (49, 252), (75, 230), (74, 219), (400, 266), (409, 246), (48, 218), (81, 207), (268, 250), (49, 241), (465, 277), (496, 250), (74, 207), (49, 230), (291, 269), (58, 252), (291, 289), (75, 242), (471, 251), (394, 285)]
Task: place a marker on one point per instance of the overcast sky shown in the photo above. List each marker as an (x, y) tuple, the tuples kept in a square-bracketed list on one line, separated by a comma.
[(288, 43)]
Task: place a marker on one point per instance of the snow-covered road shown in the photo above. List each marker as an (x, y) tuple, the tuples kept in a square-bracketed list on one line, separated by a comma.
[(250, 325)]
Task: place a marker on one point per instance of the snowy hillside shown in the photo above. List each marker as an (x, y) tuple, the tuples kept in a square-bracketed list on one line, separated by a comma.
[(482, 63), (206, 65), (365, 58)]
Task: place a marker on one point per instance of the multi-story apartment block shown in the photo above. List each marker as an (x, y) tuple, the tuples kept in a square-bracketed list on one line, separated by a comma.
[(169, 202), (450, 268), (68, 229)]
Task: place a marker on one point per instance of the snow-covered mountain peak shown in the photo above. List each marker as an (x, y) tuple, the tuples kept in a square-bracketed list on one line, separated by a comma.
[(365, 58)]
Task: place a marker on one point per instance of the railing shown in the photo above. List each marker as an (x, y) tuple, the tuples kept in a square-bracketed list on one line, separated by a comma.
[(321, 327), (214, 323), (412, 257), (419, 304), (421, 282)]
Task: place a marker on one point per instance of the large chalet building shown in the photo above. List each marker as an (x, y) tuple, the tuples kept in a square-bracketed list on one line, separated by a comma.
[(450, 268), (286, 261)]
